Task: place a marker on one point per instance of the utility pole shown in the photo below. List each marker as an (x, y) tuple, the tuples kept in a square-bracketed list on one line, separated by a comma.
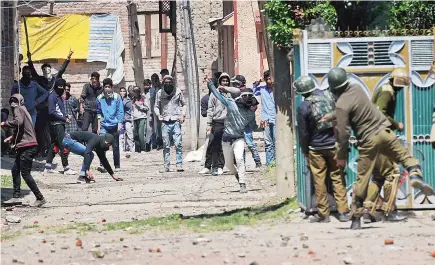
[(285, 174), (190, 82)]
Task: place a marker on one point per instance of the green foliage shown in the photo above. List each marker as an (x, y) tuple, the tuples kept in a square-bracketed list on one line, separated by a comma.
[(411, 14), (285, 16)]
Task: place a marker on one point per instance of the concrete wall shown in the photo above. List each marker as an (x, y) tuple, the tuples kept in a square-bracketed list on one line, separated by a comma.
[(206, 46)]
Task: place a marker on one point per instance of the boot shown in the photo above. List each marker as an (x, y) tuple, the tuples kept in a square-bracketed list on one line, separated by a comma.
[(417, 182), (368, 218), (356, 223)]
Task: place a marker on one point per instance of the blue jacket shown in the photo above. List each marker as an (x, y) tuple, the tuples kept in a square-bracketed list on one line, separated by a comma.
[(31, 93), (110, 111), (309, 137), (56, 108)]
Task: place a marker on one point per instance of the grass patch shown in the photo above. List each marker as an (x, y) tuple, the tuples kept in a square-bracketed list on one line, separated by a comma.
[(6, 182), (211, 222), (9, 236), (270, 172)]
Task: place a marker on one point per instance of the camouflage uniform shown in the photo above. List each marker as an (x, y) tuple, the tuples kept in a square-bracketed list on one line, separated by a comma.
[(386, 173)]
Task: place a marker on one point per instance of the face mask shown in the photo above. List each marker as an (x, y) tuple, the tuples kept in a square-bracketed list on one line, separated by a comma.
[(14, 104), (60, 91), (26, 77), (169, 88)]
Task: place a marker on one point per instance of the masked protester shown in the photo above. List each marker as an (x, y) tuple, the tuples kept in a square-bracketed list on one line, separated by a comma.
[(170, 109), (126, 135), (24, 142), (33, 93), (355, 111), (92, 143), (71, 108), (110, 116), (239, 115), (239, 82), (140, 108), (157, 142), (216, 114), (58, 119), (88, 103), (386, 173), (206, 155), (317, 142)]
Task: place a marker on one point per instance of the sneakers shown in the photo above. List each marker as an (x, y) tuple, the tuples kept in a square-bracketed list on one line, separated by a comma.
[(13, 201), (220, 171), (83, 180), (117, 169), (214, 171), (164, 170), (69, 171), (243, 188), (417, 182), (180, 168), (343, 217), (50, 170), (38, 203), (101, 169), (127, 155), (319, 219), (394, 216), (258, 165), (204, 171)]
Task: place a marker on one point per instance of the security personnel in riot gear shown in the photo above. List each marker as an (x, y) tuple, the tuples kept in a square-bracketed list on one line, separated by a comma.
[(317, 140), (386, 173), (355, 111)]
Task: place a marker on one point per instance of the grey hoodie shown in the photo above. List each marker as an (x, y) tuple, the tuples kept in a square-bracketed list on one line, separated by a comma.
[(216, 110), (140, 107), (170, 107)]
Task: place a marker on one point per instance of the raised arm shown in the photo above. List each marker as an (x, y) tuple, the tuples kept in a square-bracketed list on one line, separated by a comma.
[(64, 65)]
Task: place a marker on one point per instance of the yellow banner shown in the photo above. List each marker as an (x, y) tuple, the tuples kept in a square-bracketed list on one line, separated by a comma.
[(53, 37)]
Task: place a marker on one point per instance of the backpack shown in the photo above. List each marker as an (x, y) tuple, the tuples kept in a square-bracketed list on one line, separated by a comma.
[(320, 106)]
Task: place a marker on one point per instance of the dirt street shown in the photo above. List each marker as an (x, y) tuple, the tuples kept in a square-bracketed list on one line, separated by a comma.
[(81, 211)]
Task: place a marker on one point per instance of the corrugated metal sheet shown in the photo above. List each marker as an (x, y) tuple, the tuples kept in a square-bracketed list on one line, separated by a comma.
[(319, 56), (421, 53)]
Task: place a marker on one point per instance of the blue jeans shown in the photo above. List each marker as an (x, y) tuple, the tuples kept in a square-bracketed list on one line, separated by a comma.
[(171, 132), (249, 139), (115, 146), (78, 149), (33, 116), (269, 140)]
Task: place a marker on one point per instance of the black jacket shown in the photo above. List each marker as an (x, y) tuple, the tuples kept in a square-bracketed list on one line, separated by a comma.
[(309, 136), (89, 97), (95, 143)]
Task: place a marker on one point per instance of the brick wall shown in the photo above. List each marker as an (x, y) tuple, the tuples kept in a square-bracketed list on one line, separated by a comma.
[(7, 52)]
